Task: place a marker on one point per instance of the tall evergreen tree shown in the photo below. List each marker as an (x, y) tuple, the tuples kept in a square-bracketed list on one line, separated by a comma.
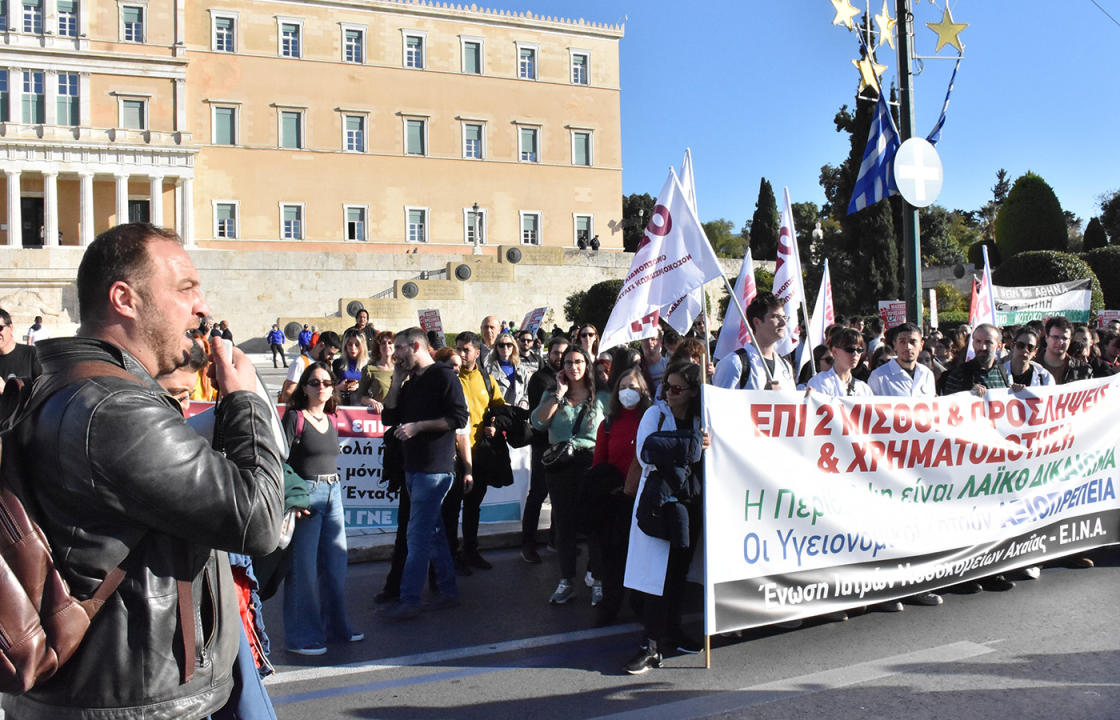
[(1094, 236), (1110, 216), (1002, 186), (636, 212), (765, 224), (1031, 218)]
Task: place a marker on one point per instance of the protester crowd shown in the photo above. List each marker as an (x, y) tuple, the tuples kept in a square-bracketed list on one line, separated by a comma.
[(608, 433)]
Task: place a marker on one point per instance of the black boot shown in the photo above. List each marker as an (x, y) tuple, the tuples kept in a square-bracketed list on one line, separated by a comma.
[(647, 657)]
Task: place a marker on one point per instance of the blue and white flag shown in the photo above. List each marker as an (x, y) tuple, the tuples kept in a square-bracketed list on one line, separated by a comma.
[(935, 134), (876, 176)]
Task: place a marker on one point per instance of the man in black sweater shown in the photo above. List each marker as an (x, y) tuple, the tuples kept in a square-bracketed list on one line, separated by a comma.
[(542, 381), (426, 410)]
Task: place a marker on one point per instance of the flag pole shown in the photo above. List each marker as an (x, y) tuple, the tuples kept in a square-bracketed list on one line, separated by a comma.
[(801, 279), (746, 323)]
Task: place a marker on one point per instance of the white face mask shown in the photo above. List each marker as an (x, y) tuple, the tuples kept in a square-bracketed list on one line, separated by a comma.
[(629, 397)]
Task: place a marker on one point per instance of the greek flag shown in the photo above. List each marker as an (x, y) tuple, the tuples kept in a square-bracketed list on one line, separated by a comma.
[(876, 176), (935, 134)]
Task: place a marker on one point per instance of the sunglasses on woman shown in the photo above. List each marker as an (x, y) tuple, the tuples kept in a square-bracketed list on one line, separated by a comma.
[(676, 389), (319, 383)]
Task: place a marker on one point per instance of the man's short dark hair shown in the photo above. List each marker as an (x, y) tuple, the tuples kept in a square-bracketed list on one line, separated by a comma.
[(412, 335), (558, 340), (906, 327), (5, 316), (120, 254), (1058, 321), (846, 337), (469, 338), (330, 337), (762, 304)]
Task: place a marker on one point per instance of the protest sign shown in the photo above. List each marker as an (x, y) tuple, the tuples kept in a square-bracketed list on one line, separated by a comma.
[(533, 320), (892, 312), (1018, 305), (819, 504), (430, 321), (1104, 317)]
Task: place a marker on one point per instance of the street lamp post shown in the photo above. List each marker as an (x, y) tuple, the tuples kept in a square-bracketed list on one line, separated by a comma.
[(477, 247)]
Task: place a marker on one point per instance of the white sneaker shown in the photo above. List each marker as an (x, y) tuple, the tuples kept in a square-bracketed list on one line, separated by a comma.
[(564, 592), (596, 594)]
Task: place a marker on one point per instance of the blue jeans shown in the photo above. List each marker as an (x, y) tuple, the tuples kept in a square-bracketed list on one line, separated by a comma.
[(314, 603), (426, 537)]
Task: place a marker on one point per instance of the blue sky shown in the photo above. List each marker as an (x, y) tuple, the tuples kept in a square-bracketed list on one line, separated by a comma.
[(752, 88)]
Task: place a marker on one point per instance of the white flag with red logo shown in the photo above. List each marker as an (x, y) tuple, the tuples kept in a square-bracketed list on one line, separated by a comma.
[(681, 313), (789, 287), (824, 314), (673, 259), (734, 335), (982, 309)]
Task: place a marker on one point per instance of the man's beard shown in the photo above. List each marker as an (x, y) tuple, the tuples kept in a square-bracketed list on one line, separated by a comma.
[(169, 356)]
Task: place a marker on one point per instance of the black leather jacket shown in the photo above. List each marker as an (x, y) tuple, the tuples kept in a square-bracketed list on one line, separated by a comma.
[(116, 474)]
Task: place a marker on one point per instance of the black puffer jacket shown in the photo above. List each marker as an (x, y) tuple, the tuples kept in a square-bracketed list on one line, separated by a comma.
[(117, 474)]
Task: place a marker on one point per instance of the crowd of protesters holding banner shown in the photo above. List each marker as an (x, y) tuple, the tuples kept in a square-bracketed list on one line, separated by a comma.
[(604, 430)]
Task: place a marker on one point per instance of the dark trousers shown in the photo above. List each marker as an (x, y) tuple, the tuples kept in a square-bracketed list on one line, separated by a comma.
[(538, 491), (278, 349), (400, 546), (564, 489), (470, 503), (661, 614), (613, 538)]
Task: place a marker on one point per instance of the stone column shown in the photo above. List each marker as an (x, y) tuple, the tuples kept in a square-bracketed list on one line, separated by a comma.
[(50, 209), (85, 183), (15, 215), (155, 200), (122, 198), (186, 212)]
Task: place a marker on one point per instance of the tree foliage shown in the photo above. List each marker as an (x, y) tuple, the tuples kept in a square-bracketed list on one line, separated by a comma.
[(723, 238), (594, 304), (1106, 264), (976, 254), (1031, 218), (636, 212), (949, 298), (1095, 236), (765, 224), (763, 282), (1110, 215), (1043, 267), (939, 247)]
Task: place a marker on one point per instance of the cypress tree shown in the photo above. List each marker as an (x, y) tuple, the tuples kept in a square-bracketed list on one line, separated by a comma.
[(765, 224)]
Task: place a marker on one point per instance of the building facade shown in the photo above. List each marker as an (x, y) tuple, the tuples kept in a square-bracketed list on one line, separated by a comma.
[(250, 124)]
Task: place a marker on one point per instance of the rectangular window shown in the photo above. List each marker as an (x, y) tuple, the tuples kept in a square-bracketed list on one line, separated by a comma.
[(474, 221), (133, 19), (579, 69), (581, 148), (224, 38), (417, 225), (414, 51), (68, 99), (353, 46), (472, 57), (530, 228), (291, 129), (355, 133), (3, 14), (68, 18), (583, 230), (225, 220), (33, 16), (134, 114), (4, 96), (528, 139), (472, 141), (355, 223), (34, 101), (292, 222), (415, 141), (289, 40), (527, 63), (225, 126)]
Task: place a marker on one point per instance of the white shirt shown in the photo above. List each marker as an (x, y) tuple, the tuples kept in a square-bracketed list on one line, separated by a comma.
[(891, 379), (828, 384), (730, 369)]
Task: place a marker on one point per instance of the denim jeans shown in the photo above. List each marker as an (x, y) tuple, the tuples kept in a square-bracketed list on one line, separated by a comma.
[(426, 537), (314, 603)]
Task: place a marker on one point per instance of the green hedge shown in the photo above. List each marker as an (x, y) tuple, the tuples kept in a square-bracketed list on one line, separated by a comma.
[(1043, 267), (1031, 218), (1105, 262)]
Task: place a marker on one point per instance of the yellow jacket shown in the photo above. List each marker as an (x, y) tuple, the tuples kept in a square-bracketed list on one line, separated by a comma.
[(474, 389)]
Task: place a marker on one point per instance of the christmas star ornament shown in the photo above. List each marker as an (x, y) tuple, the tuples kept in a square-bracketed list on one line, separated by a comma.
[(948, 32), (869, 72), (886, 26), (844, 13)]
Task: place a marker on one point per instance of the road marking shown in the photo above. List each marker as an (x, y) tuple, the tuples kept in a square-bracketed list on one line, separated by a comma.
[(755, 695), (443, 656)]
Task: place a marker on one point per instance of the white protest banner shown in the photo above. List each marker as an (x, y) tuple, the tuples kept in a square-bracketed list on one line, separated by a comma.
[(1018, 305), (892, 313), (430, 321), (1104, 317), (673, 259), (819, 504), (733, 335), (681, 313), (533, 319), (368, 502)]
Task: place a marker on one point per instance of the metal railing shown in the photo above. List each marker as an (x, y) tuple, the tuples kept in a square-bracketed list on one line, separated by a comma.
[(424, 275)]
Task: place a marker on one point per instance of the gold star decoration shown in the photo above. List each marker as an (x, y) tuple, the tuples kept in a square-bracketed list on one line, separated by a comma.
[(844, 13), (869, 71), (886, 26), (948, 32)]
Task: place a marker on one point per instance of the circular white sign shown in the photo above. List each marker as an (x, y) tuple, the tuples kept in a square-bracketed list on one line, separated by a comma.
[(917, 172)]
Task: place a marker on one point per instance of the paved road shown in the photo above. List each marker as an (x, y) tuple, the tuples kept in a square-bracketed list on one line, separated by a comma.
[(1048, 649)]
